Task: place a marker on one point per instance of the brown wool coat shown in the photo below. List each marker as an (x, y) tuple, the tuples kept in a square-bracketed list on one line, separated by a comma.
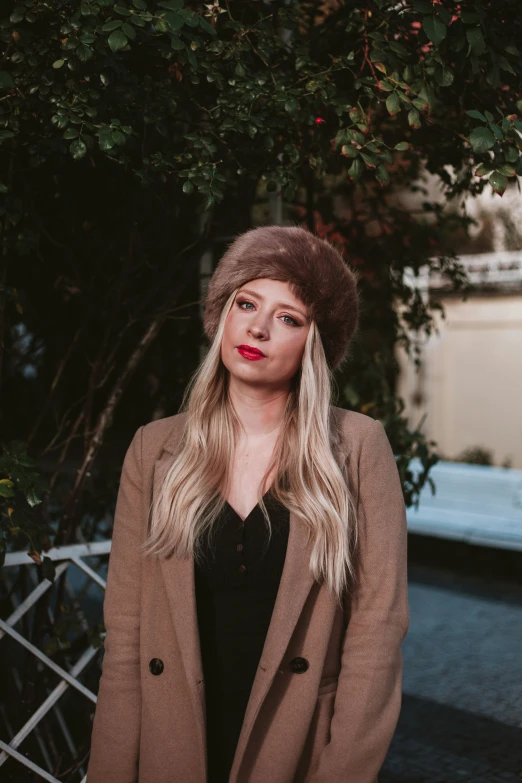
[(332, 723)]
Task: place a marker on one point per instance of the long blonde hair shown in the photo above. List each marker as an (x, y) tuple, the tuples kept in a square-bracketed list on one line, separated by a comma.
[(308, 479)]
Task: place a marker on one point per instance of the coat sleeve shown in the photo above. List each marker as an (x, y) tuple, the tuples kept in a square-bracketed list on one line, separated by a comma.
[(369, 693), (116, 727)]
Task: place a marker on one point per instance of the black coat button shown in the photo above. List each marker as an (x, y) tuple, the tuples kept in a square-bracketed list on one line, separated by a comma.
[(156, 666), (299, 665)]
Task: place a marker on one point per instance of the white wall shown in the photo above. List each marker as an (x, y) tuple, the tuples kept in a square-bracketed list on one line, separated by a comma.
[(470, 385)]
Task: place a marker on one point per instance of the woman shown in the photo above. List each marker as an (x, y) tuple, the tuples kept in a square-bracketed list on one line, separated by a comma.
[(256, 595)]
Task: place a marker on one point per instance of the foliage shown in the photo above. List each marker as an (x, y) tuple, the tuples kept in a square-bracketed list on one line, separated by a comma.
[(475, 455), (137, 134), (19, 494)]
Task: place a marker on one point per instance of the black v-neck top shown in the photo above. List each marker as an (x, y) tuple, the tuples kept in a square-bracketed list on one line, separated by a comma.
[(236, 588)]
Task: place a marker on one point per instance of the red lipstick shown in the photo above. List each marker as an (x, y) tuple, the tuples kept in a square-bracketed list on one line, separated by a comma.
[(248, 352)]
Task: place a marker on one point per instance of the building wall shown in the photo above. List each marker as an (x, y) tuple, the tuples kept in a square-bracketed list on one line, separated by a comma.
[(470, 383)]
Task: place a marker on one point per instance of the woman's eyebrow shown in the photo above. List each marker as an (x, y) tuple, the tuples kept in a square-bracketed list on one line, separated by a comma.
[(278, 304)]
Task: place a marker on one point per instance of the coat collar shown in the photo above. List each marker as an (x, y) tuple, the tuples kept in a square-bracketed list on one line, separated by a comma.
[(295, 585)]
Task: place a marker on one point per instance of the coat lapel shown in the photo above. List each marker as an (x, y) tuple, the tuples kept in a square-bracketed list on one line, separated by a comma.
[(294, 587)]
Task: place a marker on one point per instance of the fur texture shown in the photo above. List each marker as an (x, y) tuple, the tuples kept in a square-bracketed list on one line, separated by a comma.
[(315, 271)]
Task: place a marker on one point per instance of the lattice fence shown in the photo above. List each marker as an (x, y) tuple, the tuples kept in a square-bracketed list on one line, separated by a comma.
[(17, 627)]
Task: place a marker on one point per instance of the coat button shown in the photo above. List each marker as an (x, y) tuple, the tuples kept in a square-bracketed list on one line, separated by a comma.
[(299, 665), (156, 666)]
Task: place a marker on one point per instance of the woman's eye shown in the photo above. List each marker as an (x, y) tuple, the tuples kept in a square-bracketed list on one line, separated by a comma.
[(290, 322)]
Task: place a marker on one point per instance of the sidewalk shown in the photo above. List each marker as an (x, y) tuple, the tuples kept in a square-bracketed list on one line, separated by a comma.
[(461, 719)]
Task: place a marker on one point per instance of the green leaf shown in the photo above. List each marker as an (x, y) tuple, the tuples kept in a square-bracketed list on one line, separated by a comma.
[(356, 169), (469, 17), (505, 64), (481, 139), (414, 118), (420, 104), (174, 21), (496, 130), (498, 182), (349, 151), (118, 40), (444, 77), (140, 5), (118, 138), (387, 85), (489, 116), (17, 15), (84, 52), (476, 115), (444, 13), (120, 9), (476, 40), (483, 170), (188, 187), (78, 149), (507, 170), (206, 26), (423, 6), (6, 488), (370, 160), (401, 146), (110, 26), (382, 175), (172, 5), (176, 43), (393, 104), (71, 133), (291, 105), (434, 29), (106, 142), (511, 154), (129, 30), (6, 80), (190, 18)]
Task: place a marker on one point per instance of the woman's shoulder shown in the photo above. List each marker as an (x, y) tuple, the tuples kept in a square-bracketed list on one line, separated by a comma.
[(353, 424), (162, 434), (359, 434)]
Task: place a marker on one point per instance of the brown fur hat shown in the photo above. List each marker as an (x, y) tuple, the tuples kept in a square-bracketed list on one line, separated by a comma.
[(315, 271)]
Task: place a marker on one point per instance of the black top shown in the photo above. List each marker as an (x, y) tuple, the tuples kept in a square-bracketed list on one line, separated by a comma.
[(236, 588)]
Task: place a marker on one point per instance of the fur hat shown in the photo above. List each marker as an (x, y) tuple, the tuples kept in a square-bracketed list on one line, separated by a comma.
[(314, 269)]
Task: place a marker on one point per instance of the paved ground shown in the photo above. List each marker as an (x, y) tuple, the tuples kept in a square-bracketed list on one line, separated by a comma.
[(461, 720)]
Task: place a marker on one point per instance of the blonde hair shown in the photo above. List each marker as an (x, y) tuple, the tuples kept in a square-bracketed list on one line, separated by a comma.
[(308, 480)]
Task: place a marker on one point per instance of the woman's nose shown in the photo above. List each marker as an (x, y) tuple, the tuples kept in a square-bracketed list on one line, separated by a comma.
[(258, 330)]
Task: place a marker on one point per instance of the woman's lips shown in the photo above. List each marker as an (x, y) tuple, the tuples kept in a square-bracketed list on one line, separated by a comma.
[(252, 355)]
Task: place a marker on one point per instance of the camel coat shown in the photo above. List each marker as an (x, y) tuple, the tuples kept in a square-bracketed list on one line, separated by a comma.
[(329, 720)]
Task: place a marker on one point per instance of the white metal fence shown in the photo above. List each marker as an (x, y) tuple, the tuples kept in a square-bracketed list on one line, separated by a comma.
[(63, 557)]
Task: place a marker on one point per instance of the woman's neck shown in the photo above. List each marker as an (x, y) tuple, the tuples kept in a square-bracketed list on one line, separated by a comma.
[(260, 411)]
